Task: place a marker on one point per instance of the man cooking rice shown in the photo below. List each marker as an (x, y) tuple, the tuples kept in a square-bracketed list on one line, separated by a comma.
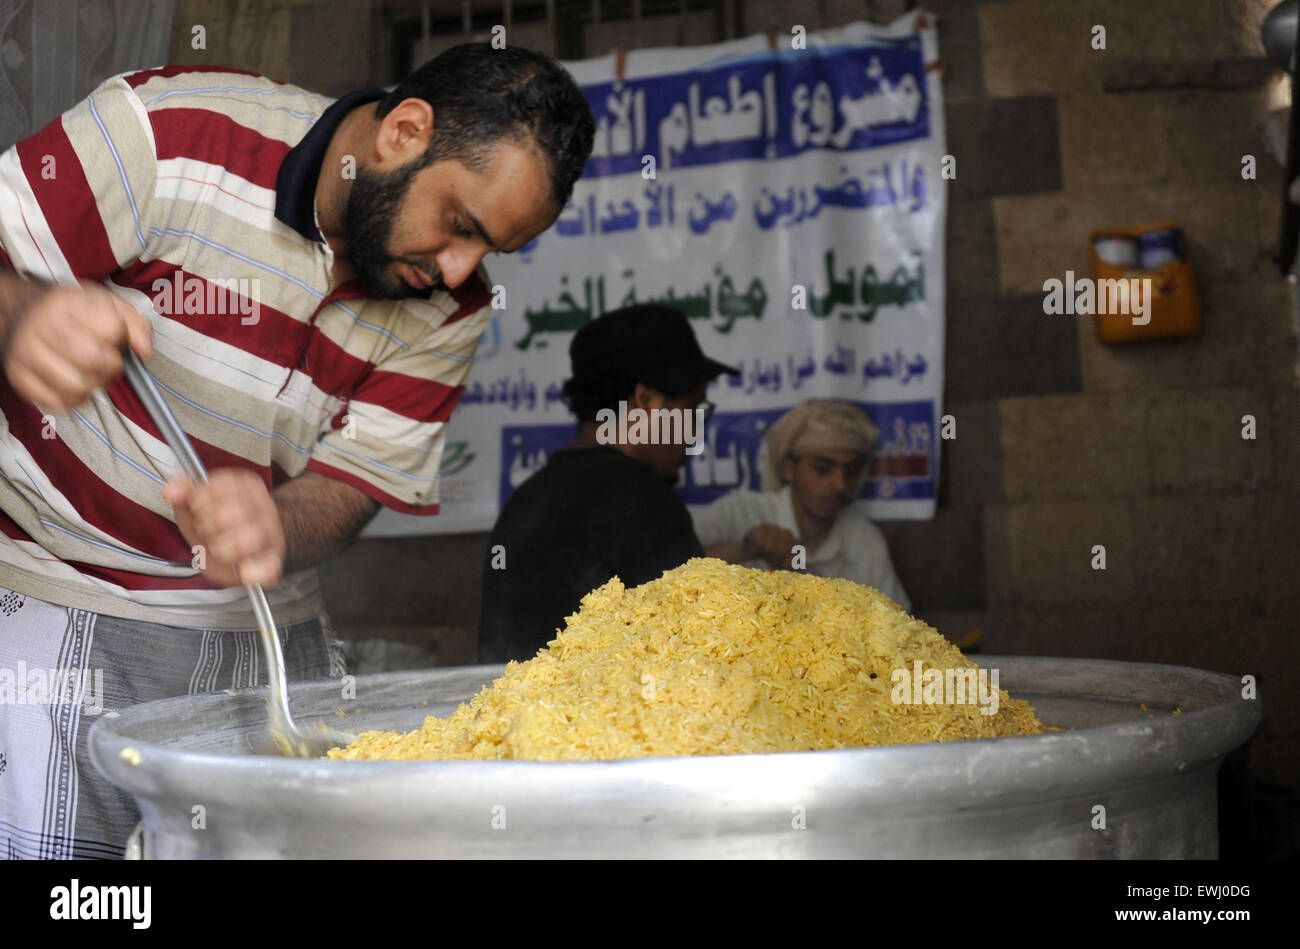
[(304, 278)]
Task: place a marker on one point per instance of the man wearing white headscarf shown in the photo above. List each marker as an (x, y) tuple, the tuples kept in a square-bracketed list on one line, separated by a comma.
[(817, 455)]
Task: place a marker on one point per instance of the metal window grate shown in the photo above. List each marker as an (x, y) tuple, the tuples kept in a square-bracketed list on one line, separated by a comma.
[(567, 29)]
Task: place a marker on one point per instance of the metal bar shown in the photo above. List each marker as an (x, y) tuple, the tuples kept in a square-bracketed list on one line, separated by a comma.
[(143, 382), (170, 428)]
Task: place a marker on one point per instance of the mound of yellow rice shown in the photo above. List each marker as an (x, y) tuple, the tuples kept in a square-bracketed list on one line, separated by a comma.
[(710, 658)]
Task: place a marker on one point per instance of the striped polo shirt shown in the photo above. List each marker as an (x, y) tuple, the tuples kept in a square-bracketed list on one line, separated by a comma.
[(190, 192)]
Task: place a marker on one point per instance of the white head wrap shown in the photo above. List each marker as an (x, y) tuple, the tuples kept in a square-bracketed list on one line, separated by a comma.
[(815, 425)]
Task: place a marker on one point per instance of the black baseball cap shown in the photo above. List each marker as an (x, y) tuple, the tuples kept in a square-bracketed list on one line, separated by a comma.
[(649, 343)]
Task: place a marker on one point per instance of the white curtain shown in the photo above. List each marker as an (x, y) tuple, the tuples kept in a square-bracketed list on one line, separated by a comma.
[(54, 52)]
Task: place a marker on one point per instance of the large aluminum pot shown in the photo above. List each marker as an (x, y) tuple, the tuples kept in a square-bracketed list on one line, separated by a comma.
[(1119, 782)]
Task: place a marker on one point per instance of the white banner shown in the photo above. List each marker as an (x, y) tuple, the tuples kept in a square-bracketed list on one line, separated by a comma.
[(791, 203)]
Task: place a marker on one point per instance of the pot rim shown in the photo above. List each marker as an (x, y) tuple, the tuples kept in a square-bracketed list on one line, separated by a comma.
[(1127, 752)]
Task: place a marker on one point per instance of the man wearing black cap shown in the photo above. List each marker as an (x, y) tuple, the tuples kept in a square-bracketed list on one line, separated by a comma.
[(604, 506)]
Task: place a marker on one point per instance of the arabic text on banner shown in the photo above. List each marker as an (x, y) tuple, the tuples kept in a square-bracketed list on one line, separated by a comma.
[(773, 170)]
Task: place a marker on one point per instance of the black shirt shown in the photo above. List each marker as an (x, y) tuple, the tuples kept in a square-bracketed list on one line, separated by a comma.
[(588, 515)]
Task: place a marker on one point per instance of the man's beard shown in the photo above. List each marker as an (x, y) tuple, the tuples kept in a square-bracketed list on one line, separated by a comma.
[(368, 219)]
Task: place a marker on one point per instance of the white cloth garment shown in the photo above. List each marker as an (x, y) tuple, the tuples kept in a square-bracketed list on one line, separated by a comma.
[(61, 668), (39, 778), (855, 549)]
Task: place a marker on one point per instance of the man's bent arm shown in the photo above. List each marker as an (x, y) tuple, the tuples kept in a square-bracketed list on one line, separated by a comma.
[(320, 517)]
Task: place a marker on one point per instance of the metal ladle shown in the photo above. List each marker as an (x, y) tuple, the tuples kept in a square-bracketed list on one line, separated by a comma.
[(287, 737)]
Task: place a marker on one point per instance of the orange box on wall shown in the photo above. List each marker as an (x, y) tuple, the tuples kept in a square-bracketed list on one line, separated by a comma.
[(1154, 252)]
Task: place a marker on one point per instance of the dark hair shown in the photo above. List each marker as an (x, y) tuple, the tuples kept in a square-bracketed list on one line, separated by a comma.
[(588, 393), (482, 96)]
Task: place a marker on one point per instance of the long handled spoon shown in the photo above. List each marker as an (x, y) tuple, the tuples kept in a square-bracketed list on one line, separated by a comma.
[(287, 737)]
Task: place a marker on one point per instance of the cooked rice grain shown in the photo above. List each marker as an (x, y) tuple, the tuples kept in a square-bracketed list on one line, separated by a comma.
[(710, 658)]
